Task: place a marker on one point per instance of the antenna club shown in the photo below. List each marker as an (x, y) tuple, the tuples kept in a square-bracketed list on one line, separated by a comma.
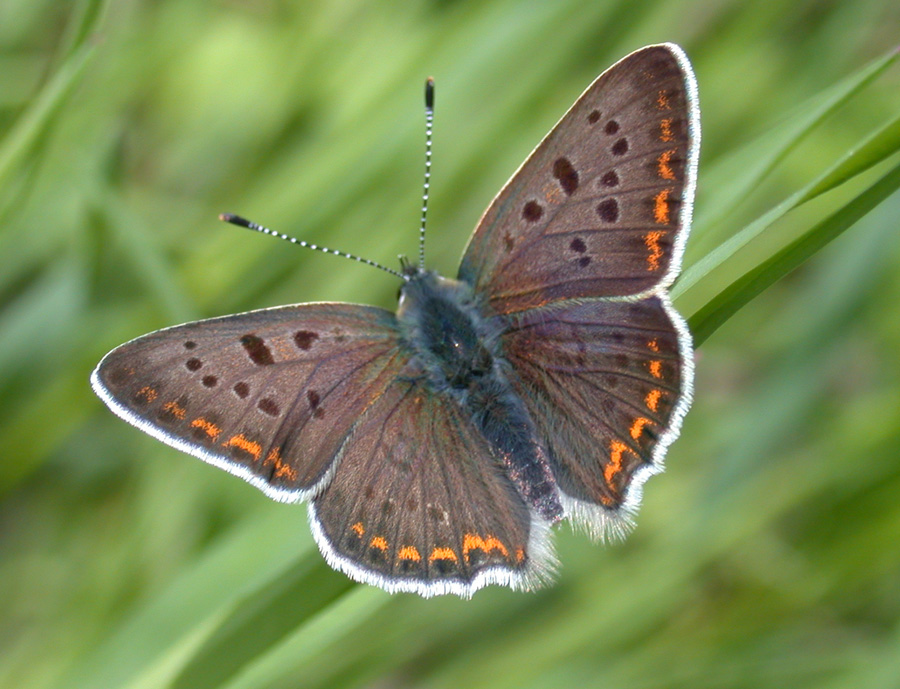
[(429, 93), (235, 220)]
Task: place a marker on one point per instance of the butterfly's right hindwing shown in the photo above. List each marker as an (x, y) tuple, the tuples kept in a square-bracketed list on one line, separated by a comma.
[(574, 258), (607, 384)]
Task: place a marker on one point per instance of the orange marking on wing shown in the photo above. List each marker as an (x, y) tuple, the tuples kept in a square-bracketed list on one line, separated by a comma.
[(378, 542), (606, 500), (652, 399), (409, 552), (616, 450), (443, 554), (208, 427), (552, 193), (661, 207), (638, 427), (520, 554), (147, 393), (662, 101), (656, 369), (282, 470), (653, 345), (242, 443), (285, 471), (665, 131), (358, 529), (286, 350), (174, 409), (472, 541), (651, 239), (665, 170)]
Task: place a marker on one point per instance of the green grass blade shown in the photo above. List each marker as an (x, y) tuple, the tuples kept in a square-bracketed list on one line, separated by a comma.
[(876, 148), (292, 659), (155, 644), (263, 620), (778, 144), (33, 122), (727, 302)]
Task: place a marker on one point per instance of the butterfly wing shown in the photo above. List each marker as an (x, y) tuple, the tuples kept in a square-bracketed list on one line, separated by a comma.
[(601, 207), (324, 400), (574, 257), (419, 503), (270, 395), (607, 384)]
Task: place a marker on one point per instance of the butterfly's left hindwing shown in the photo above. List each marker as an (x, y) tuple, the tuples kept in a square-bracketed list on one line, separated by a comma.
[(420, 502), (269, 395)]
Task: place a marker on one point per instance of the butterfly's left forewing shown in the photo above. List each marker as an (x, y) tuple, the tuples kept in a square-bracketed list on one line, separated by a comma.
[(269, 395)]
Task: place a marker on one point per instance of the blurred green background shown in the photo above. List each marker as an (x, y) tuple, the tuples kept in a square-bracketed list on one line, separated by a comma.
[(766, 556)]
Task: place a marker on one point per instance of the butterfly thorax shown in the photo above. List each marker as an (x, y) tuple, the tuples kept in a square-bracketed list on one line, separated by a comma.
[(457, 344), (452, 339)]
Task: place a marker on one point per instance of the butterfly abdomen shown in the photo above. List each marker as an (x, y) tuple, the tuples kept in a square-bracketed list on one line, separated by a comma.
[(458, 349), (503, 420)]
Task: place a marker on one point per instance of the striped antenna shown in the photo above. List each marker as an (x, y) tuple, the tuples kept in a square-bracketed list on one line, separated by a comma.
[(250, 225), (429, 122)]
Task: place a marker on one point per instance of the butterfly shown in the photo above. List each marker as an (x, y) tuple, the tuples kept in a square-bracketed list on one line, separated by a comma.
[(437, 445)]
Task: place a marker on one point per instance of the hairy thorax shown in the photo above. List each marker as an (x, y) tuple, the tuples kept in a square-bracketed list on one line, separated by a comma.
[(459, 348)]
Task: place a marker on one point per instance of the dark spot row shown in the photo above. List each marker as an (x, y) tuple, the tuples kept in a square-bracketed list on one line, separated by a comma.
[(435, 512), (256, 348), (608, 210)]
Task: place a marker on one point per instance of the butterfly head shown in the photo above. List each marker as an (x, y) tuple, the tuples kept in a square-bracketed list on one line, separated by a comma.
[(416, 281)]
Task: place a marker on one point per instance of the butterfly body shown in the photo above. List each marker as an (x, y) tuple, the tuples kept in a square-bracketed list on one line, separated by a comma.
[(436, 446), (458, 346), (445, 327)]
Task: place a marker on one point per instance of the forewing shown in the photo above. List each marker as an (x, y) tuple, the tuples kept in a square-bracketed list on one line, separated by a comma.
[(607, 384), (269, 395), (599, 209), (418, 503)]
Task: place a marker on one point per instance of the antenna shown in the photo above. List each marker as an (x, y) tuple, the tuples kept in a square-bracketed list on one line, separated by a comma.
[(250, 225), (429, 122)]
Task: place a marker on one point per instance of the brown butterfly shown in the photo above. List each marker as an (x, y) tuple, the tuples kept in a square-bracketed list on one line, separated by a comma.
[(436, 446)]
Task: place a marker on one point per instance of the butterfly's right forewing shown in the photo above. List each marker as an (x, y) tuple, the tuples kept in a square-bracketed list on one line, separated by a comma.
[(601, 207), (269, 395)]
